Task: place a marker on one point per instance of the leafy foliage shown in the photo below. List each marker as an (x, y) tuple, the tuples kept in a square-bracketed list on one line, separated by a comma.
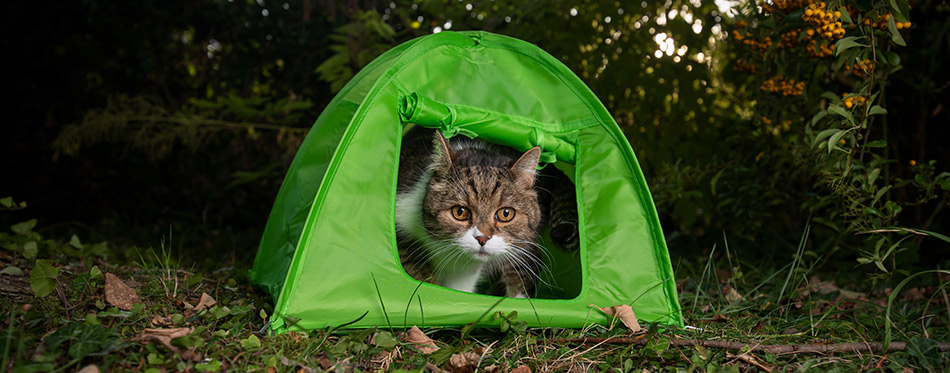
[(840, 146)]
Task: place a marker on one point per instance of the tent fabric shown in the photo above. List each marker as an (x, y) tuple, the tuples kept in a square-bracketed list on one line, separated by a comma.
[(328, 253)]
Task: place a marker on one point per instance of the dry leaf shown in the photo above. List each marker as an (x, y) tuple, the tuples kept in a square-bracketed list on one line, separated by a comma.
[(163, 336), (160, 321), (825, 287), (491, 368), (421, 341), (325, 362), (751, 359), (463, 360), (206, 301), (731, 294), (119, 294), (91, 368), (625, 313), (296, 365), (521, 369)]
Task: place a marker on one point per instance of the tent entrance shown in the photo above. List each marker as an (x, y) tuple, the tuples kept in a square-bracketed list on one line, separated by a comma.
[(560, 276)]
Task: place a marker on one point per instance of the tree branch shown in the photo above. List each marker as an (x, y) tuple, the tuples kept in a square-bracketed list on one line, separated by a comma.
[(775, 349)]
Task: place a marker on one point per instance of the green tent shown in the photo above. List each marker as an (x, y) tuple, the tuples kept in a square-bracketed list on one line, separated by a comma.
[(328, 253)]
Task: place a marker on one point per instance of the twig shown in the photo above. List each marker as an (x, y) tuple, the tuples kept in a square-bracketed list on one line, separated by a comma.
[(752, 360), (775, 349), (880, 363)]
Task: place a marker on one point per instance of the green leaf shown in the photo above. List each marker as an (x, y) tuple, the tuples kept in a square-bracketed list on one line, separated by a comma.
[(251, 343), (43, 278), (845, 16), (657, 346), (7, 202), (194, 280), (877, 110), (900, 9), (872, 177), (95, 273), (831, 96), (385, 340), (212, 366), (23, 227), (219, 312), (12, 271), (877, 144), (880, 266), (818, 117), (30, 250), (893, 59), (841, 111), (824, 134), (895, 34), (74, 242), (880, 193), (847, 43), (189, 341), (833, 141), (935, 235)]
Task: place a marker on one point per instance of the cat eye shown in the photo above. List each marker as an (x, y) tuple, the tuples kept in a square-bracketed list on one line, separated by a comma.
[(461, 213), (505, 214)]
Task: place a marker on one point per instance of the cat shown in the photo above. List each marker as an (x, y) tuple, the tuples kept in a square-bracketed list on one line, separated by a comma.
[(468, 214)]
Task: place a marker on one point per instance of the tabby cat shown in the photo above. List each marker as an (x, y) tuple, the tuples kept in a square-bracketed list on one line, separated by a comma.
[(468, 214)]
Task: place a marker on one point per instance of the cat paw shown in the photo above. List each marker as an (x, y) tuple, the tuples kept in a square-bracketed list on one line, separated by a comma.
[(565, 236)]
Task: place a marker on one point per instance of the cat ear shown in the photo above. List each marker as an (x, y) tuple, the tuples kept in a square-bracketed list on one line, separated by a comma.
[(444, 151), (526, 167)]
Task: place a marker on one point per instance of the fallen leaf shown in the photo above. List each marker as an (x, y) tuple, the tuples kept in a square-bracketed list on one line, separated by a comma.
[(625, 313), (731, 294), (491, 368), (723, 274), (160, 321), (753, 360), (206, 301), (91, 368), (296, 365), (163, 336), (119, 294), (12, 271), (521, 369), (463, 360), (825, 287), (421, 341)]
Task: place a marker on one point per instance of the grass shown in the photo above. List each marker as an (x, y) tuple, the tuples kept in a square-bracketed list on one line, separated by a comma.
[(727, 295)]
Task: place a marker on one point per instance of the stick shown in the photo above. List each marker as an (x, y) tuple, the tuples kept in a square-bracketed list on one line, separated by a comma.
[(753, 361), (775, 349)]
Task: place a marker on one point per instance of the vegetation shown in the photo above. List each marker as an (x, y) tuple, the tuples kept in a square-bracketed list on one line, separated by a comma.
[(71, 312), (795, 150)]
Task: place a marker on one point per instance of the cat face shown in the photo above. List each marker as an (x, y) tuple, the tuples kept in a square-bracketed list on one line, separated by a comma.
[(482, 202)]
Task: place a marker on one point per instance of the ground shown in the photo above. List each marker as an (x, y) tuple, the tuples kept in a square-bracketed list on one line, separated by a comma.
[(79, 309)]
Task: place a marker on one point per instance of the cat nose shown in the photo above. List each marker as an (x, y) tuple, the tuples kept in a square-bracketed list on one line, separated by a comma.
[(482, 239)]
